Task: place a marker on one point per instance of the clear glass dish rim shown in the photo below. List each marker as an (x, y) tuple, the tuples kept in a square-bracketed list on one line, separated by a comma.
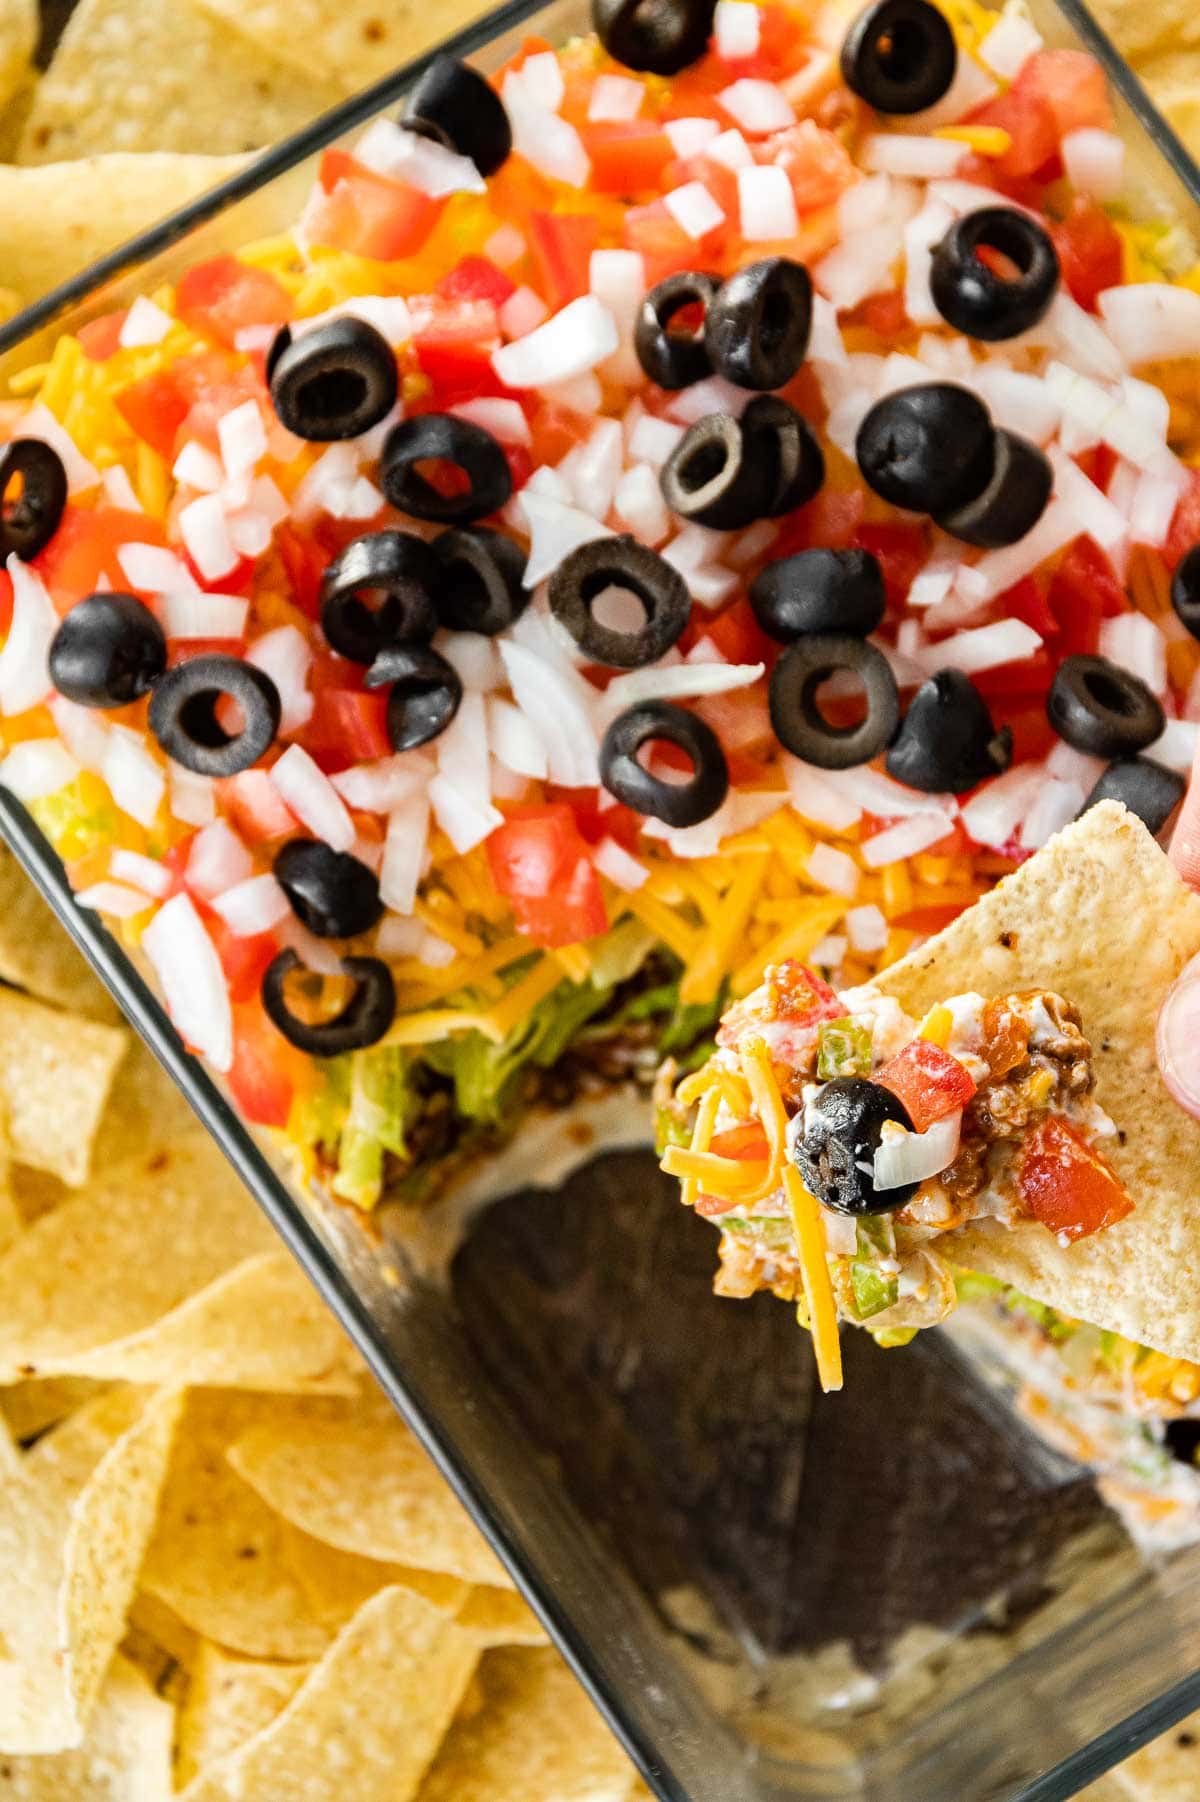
[(144, 1012)]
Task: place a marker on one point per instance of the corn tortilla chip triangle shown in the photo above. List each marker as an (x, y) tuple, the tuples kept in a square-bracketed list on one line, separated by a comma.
[(35, 952), (367, 1720), (31, 1407), (229, 1700), (338, 1583), (498, 1617), (1100, 916), (360, 40), (127, 1757), (55, 1074), (366, 1486), (151, 1617), (534, 1735)]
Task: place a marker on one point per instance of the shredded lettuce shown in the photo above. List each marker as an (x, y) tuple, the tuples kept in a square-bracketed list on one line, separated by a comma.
[(383, 1104), (485, 1074)]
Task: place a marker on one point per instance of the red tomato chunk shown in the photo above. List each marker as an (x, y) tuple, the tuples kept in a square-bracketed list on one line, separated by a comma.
[(1066, 1185), (928, 1081)]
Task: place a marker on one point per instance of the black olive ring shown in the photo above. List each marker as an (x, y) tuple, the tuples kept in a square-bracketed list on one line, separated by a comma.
[(797, 720), (775, 432), (825, 591), (948, 741), (931, 447), (622, 562), (395, 566), (971, 296), (426, 692), (363, 1021), (1185, 590), (1103, 709), (710, 479), (444, 438), (183, 714), (332, 893), (457, 107), (757, 329), (899, 56), (1148, 789), (479, 582), (335, 381), (660, 37), (108, 651), (1013, 500), (29, 522), (678, 804), (674, 359)]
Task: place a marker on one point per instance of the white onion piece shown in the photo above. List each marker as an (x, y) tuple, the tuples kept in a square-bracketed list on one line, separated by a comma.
[(1134, 642), (817, 799), (144, 323), (1017, 402), (1152, 320), (37, 767), (39, 422), (145, 873), (552, 707), (506, 784), (731, 150), (758, 107), (514, 742), (388, 313), (521, 313), (1091, 509), (193, 613), (873, 792), (905, 1157), (504, 419), (970, 88), (24, 666), (506, 246), (825, 339), (1095, 162), (1153, 508), (985, 647), (694, 209), (598, 464), (828, 868), (680, 681), (618, 279), (136, 782), (1009, 44), (116, 899), (193, 797), (194, 467), (381, 787), (693, 546), (620, 866), (217, 861), (256, 905), (465, 821), (242, 439), (1176, 745), (571, 342), (554, 531), (993, 814), (1108, 415), (861, 264), (191, 978), (652, 440), (541, 78), (905, 839), (312, 798), (285, 655), (766, 204), (866, 927), (735, 29), (712, 395), (998, 570), (1079, 337), (615, 99), (204, 532), (1070, 765), (155, 570), (249, 531), (639, 505), (548, 142), (388, 149), (1054, 806), (934, 581), (404, 852), (927, 159), (399, 935), (119, 489), (689, 136), (314, 953), (462, 751), (582, 394), (921, 233), (475, 658)]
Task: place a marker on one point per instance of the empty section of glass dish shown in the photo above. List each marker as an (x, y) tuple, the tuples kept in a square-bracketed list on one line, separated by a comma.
[(897, 1594)]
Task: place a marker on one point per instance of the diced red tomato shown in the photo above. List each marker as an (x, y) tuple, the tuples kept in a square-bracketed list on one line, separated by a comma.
[(82, 555), (1090, 252), (244, 961), (369, 214), (1185, 525), (743, 1143), (266, 1071), (1033, 735), (454, 340), (928, 1081), (1084, 590), (1066, 1185), (561, 245), (627, 158), (817, 163), (738, 635), (154, 409), (476, 278), (901, 552), (100, 338), (1073, 86), (884, 315), (803, 995), (828, 522), (1030, 122), (221, 297), (255, 806), (349, 725), (182, 650), (304, 562), (1027, 601), (662, 243), (539, 860), (1032, 676)]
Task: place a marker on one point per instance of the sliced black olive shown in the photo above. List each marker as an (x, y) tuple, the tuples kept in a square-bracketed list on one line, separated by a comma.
[(674, 358), (1103, 709), (772, 430), (1013, 501), (659, 36), (394, 570), (899, 56), (363, 1021), (709, 478), (970, 294), (832, 592), (625, 776), (621, 563), (29, 519), (425, 693), (458, 108), (183, 714), (930, 447), (797, 719), (835, 1155), (1147, 788), (444, 438), (947, 742), (335, 381), (1185, 590), (108, 651), (330, 892), (756, 330), (479, 584)]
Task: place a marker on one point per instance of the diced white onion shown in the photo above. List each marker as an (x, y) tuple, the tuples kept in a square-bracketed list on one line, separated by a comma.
[(1176, 745), (1017, 402), (1054, 806), (389, 149), (1009, 44), (547, 141), (1135, 643), (144, 323), (24, 660), (571, 342), (904, 1157), (638, 504), (462, 751), (1148, 321), (506, 246), (817, 799), (615, 99), (193, 797), (333, 485), (113, 898), (155, 570), (680, 681), (145, 873), (521, 313), (766, 204), (1090, 508), (312, 798), (926, 159), (314, 953), (693, 209), (461, 817), (861, 264), (191, 978), (242, 438), (597, 467), (970, 88), (197, 614), (37, 767), (504, 419), (204, 531), (119, 489), (712, 395), (554, 532), (541, 78), (757, 106), (693, 546), (514, 741), (475, 659), (921, 233), (735, 29), (256, 905), (993, 814), (985, 647), (388, 313), (689, 136), (831, 869), (582, 394), (39, 422), (867, 928), (136, 782), (383, 786), (1154, 502), (1095, 162), (286, 656), (1070, 765), (999, 570), (217, 860), (194, 467), (905, 838), (731, 149), (1109, 416), (622, 869), (553, 708)]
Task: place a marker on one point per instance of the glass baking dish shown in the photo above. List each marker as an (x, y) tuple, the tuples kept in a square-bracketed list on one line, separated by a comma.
[(770, 1593)]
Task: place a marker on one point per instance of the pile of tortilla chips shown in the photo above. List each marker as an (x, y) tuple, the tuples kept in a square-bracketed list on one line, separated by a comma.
[(226, 1569)]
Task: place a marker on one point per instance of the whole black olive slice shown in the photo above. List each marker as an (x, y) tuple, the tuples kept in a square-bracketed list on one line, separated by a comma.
[(947, 742), (930, 448), (108, 651), (1013, 501), (831, 592), (835, 1154), (972, 296), (363, 1021), (183, 714), (899, 56), (30, 518), (1185, 590), (796, 717), (335, 381), (1147, 788), (709, 478), (623, 774), (670, 356), (479, 581), (1103, 709), (332, 893), (757, 328), (774, 431), (624, 564), (444, 438), (426, 692), (660, 37), (457, 107), (395, 570)]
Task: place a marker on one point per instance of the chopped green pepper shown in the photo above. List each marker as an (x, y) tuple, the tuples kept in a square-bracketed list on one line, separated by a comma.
[(843, 1049)]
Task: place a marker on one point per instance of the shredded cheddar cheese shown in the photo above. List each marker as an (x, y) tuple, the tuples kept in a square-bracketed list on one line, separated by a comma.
[(818, 1289), (985, 140), (702, 1132), (730, 1179), (768, 1104), (937, 1026)]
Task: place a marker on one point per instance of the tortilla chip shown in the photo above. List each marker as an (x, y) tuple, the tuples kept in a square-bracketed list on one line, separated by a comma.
[(338, 1583), (35, 952), (1141, 30), (55, 1073), (1167, 1770), (366, 1486), (74, 1522), (367, 1721), (497, 1617), (1173, 77), (1100, 916), (31, 1407), (151, 1617), (157, 1228), (536, 1736), (19, 24), (138, 75), (361, 40), (229, 1700), (127, 1757)]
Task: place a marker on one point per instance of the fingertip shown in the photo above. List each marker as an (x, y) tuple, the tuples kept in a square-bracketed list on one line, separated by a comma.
[(1177, 1039)]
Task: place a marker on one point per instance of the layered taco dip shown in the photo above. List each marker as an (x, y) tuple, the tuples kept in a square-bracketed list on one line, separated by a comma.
[(713, 497)]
